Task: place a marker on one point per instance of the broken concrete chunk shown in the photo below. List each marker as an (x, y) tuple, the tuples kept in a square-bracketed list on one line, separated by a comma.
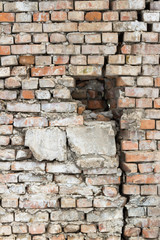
[(47, 144), (97, 139)]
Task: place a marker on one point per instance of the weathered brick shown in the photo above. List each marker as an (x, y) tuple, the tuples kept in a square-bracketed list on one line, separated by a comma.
[(95, 27), (5, 230), (57, 38), (85, 70), (75, 37), (43, 94), (126, 102), (76, 16), (40, 38), (31, 83), (58, 16), (6, 118), (40, 17), (128, 16), (76, 120), (68, 203), (48, 71), (56, 5), (23, 107), (131, 189), (91, 5), (144, 103), (6, 130), (27, 27), (150, 37), (96, 60), (116, 59), (156, 27), (61, 49), (23, 38), (28, 49), (155, 5), (122, 70), (98, 49), (54, 228), (27, 166), (128, 5), (110, 16), (8, 95), (109, 37), (88, 228), (23, 17), (37, 228), (20, 6), (4, 140), (59, 107), (129, 26), (141, 92), (60, 27), (93, 38)]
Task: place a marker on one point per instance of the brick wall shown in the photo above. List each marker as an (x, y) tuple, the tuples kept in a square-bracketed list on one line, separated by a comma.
[(79, 120)]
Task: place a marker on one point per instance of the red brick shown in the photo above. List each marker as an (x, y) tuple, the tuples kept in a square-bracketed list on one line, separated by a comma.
[(48, 71), (157, 103), (41, 17), (7, 17), (157, 82), (126, 49), (93, 16), (157, 167), (60, 60), (129, 145), (27, 94), (143, 179), (126, 102), (26, 60), (95, 104), (147, 124), (140, 156), (5, 50)]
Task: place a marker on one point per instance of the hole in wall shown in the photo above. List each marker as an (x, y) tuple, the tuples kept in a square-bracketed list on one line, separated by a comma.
[(97, 96)]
